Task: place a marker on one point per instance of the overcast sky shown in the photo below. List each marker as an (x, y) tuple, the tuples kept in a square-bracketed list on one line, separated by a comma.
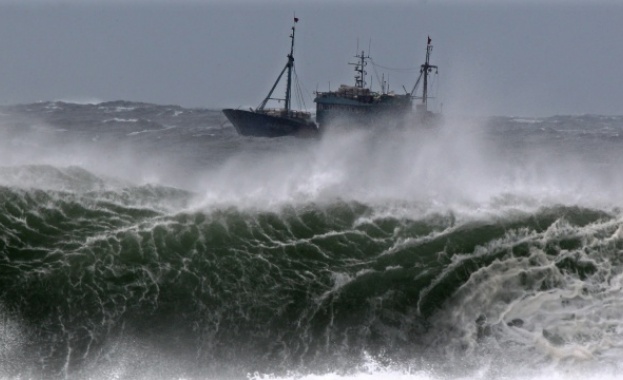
[(495, 57)]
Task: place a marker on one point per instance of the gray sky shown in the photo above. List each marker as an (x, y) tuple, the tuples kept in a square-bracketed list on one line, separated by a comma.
[(495, 57)]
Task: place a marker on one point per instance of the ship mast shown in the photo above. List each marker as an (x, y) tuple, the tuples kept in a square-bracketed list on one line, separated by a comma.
[(360, 78), (289, 65), (425, 70)]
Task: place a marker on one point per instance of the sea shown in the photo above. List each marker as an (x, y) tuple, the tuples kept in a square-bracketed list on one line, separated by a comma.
[(145, 241)]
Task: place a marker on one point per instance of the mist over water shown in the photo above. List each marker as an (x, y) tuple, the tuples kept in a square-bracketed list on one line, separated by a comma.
[(464, 161), (463, 164), (146, 241)]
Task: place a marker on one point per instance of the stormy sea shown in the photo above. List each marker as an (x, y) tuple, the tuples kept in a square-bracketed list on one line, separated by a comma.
[(142, 241)]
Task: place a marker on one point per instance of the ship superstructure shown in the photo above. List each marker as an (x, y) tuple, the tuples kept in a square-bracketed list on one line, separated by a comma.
[(358, 105)]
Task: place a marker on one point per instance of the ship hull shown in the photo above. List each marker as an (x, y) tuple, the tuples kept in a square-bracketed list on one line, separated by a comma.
[(250, 123), (334, 112)]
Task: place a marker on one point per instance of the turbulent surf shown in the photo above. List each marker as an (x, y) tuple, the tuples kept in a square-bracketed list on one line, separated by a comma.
[(144, 241)]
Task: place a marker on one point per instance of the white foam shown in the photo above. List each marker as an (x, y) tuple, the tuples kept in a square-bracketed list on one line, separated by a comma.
[(120, 120)]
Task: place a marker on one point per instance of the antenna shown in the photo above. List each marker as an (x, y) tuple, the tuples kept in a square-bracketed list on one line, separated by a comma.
[(371, 77)]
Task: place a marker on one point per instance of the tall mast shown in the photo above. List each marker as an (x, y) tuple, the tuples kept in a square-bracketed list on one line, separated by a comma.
[(290, 66), (360, 78), (426, 68)]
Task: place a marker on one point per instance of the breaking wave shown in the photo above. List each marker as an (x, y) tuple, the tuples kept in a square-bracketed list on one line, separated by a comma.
[(101, 278)]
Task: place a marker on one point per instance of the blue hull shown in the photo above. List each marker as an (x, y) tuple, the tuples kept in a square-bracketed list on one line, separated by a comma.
[(249, 123)]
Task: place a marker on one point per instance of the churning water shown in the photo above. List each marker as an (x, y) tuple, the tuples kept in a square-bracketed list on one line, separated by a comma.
[(140, 241)]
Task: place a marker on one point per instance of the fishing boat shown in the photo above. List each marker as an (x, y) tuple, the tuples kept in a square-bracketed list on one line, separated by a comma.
[(275, 122), (359, 105)]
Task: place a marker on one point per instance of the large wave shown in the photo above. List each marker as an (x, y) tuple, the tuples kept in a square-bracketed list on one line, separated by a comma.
[(96, 276), (433, 254)]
